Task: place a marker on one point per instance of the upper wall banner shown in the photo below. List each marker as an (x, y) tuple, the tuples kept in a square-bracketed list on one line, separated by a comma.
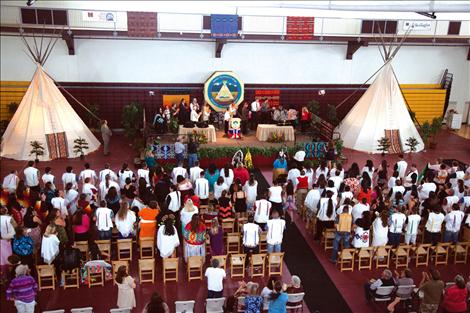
[(222, 89), (224, 26)]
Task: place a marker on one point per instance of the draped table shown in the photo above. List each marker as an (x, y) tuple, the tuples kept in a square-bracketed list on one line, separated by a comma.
[(209, 132), (264, 130)]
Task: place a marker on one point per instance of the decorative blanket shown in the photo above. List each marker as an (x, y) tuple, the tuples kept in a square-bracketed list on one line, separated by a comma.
[(57, 144), (393, 136)]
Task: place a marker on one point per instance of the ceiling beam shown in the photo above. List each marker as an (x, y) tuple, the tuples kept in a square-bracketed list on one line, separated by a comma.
[(67, 36), (219, 45)]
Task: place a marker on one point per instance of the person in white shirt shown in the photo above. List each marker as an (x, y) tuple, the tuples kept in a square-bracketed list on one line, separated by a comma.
[(326, 213), (89, 190), (412, 225), (167, 238), (10, 182), (71, 198), (125, 221), (395, 227), (59, 203), (321, 170), (215, 280), (311, 201), (346, 194), (425, 188), (335, 169), (177, 171), (412, 177), (201, 188), (262, 208), (106, 184), (292, 175), (359, 208), (194, 116), (48, 177), (31, 177), (173, 199), (275, 196), (220, 186), (125, 173), (69, 177), (143, 172), (195, 172), (368, 169), (275, 232), (395, 189), (380, 230), (251, 191), (392, 180), (255, 107), (227, 174), (107, 171), (251, 233), (453, 221), (88, 173), (336, 178), (433, 226), (104, 221), (401, 166)]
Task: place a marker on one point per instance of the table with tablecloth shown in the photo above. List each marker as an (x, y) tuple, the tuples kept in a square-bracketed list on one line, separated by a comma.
[(209, 132), (264, 130)]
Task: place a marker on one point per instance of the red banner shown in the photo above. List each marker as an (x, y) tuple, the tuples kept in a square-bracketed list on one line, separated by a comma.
[(300, 27), (273, 96)]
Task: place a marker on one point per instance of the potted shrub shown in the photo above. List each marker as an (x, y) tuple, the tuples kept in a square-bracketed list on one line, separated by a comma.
[(383, 145), (80, 145), (412, 143), (131, 118), (436, 126), (37, 148), (426, 132)]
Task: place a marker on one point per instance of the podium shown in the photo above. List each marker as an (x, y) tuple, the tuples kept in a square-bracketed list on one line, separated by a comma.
[(234, 128)]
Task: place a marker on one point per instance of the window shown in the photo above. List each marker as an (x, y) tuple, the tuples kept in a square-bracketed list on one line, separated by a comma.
[(43, 16), (376, 27)]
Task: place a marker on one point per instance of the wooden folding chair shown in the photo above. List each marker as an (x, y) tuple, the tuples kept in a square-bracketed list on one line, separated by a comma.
[(327, 238), (237, 265), (258, 264), (460, 250), (71, 278), (275, 262), (421, 253), (382, 256), (233, 243), (116, 265), (346, 259), (124, 249), (147, 248), (46, 277), (170, 268), (194, 267), (147, 269), (104, 246), (441, 253), (263, 244), (365, 256), (401, 256), (95, 276), (83, 247), (222, 261), (228, 225), (240, 222)]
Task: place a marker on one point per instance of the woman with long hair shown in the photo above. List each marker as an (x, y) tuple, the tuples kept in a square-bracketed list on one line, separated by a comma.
[(224, 206), (148, 220), (125, 173), (227, 174), (56, 220), (380, 230), (156, 305), (277, 299), (167, 238), (368, 169), (32, 224), (251, 190), (216, 235), (239, 199), (126, 286), (23, 246), (220, 186), (195, 237), (326, 214), (125, 221), (80, 225), (212, 174), (362, 230)]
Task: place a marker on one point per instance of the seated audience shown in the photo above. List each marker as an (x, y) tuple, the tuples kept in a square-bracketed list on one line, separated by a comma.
[(456, 296), (156, 305), (386, 279), (432, 287)]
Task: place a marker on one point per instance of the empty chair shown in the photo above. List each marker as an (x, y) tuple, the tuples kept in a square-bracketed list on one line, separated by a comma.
[(55, 311), (194, 267), (170, 269), (120, 310), (147, 270), (233, 243), (258, 264), (422, 254), (237, 265), (71, 278), (95, 275), (116, 265), (184, 306), (346, 259), (215, 305), (82, 310), (401, 255), (240, 304), (364, 258), (384, 294), (441, 253), (105, 247), (328, 238), (275, 261), (460, 250), (228, 225), (240, 222), (382, 256), (263, 245), (46, 277), (147, 248), (297, 300), (124, 247)]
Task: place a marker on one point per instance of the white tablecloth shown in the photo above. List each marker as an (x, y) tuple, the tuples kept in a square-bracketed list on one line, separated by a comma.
[(263, 131), (208, 131)]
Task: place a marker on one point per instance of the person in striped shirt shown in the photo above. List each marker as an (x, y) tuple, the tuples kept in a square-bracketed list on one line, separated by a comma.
[(22, 290)]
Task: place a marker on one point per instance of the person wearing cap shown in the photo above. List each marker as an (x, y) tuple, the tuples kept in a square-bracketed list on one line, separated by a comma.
[(299, 157), (22, 290)]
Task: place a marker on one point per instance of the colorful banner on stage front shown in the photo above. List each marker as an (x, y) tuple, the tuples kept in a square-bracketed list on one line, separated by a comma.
[(223, 89)]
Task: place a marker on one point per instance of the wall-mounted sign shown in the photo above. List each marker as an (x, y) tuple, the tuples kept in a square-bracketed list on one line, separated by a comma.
[(223, 89), (224, 26), (98, 16), (417, 25)]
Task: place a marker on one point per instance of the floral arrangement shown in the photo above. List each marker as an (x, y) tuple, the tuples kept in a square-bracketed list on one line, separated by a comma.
[(199, 137), (276, 137)]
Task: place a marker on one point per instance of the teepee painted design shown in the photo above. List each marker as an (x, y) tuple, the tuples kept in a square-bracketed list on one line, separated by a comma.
[(224, 93)]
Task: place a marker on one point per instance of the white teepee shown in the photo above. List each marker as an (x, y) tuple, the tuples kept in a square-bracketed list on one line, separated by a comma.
[(44, 115), (382, 108)]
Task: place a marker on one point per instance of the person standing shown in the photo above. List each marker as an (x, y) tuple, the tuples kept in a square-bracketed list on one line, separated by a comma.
[(104, 222), (193, 147), (275, 227), (195, 237), (343, 223), (245, 115), (167, 238), (179, 151), (251, 233), (432, 287), (126, 286), (106, 134), (215, 280), (22, 290), (453, 221), (255, 107), (31, 177)]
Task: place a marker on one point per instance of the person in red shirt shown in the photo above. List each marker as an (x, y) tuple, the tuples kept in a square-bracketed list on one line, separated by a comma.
[(365, 192), (305, 119), (241, 173), (302, 189), (455, 297)]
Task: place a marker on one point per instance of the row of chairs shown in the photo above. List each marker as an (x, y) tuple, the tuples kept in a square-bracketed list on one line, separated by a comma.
[(90, 310), (402, 255)]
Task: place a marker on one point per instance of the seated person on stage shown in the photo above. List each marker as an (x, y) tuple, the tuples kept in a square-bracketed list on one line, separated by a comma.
[(386, 279)]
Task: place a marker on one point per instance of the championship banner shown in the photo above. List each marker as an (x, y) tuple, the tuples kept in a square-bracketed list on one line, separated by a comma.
[(300, 27), (224, 26), (223, 89), (273, 96), (418, 25)]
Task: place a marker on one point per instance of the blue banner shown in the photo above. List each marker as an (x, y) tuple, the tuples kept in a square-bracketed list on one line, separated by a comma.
[(224, 26)]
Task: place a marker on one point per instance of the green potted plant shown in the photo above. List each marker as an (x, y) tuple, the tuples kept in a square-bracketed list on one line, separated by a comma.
[(339, 146), (436, 126), (412, 143), (80, 145), (383, 145), (37, 148), (426, 132), (130, 118)]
